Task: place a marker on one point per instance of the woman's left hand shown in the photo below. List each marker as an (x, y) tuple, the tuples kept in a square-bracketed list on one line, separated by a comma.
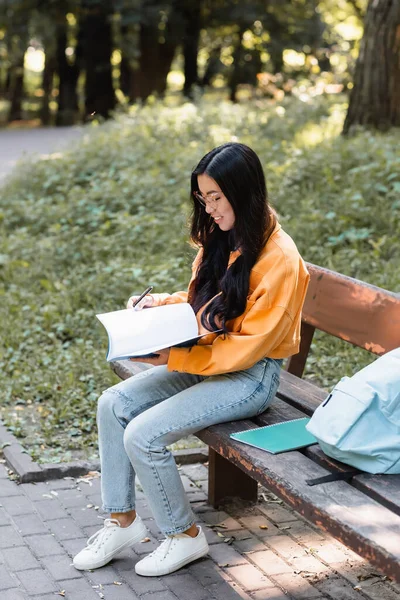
[(160, 359)]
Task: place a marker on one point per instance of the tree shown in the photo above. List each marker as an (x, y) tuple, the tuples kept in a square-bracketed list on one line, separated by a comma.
[(96, 39), (375, 97)]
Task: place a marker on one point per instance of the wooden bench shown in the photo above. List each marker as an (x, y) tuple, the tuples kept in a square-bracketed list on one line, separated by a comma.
[(364, 512)]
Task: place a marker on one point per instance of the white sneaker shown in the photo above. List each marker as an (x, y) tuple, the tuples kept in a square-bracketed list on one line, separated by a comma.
[(172, 554), (106, 543)]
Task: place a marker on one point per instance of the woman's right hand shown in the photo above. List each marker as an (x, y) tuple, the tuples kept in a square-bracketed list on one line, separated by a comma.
[(146, 302)]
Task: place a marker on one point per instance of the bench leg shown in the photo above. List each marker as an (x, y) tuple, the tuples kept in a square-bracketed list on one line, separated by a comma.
[(227, 480)]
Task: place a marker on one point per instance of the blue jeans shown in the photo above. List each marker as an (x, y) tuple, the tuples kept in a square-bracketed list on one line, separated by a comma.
[(140, 416)]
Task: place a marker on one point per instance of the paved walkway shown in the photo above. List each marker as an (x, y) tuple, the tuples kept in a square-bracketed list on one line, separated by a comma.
[(18, 143), (266, 552)]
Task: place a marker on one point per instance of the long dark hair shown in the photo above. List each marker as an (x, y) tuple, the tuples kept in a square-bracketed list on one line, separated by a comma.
[(237, 170)]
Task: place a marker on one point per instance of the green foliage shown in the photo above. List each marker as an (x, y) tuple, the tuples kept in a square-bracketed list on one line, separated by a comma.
[(80, 232)]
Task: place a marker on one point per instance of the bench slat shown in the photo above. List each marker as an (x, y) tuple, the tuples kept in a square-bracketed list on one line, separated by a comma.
[(349, 515), (305, 396), (352, 310)]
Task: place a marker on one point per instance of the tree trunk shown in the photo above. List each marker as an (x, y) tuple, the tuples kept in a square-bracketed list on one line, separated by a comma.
[(191, 45), (97, 49), (234, 79), (47, 86), (67, 113), (16, 90), (375, 97), (155, 59)]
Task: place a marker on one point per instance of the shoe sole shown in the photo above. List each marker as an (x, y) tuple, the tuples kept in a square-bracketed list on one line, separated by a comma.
[(199, 554), (105, 560)]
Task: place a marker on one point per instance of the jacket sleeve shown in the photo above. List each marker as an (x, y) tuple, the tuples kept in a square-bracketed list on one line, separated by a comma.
[(177, 297), (262, 330)]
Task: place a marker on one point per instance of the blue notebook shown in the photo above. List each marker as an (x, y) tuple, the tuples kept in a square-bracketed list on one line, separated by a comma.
[(280, 437)]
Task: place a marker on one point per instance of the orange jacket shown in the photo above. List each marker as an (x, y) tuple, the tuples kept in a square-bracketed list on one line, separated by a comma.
[(270, 324)]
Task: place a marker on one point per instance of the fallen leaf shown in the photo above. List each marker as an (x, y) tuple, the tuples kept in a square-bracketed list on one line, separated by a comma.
[(62, 593), (53, 493), (117, 583), (146, 539), (229, 540), (263, 526)]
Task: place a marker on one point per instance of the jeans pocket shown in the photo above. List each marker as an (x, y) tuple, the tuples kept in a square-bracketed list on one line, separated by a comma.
[(271, 387)]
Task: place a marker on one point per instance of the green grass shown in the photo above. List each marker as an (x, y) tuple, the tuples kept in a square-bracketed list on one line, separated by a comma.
[(81, 232)]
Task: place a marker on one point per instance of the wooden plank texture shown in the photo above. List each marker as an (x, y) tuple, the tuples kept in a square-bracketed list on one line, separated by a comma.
[(358, 521), (352, 310), (383, 488)]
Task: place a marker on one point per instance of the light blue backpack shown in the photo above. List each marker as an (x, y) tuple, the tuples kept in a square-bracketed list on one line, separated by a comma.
[(359, 422)]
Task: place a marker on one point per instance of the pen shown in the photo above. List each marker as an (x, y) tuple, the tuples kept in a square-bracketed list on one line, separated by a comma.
[(146, 291)]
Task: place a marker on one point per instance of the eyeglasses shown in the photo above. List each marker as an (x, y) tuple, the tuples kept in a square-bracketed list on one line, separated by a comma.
[(211, 200)]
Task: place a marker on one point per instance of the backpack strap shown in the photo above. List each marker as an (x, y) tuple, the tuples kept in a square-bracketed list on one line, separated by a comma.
[(338, 476)]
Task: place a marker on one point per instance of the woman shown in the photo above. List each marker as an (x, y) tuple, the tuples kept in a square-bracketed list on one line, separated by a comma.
[(248, 280)]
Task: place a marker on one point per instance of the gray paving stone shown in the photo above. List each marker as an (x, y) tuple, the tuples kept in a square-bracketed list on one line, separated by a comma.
[(3, 472), (105, 575), (205, 571), (85, 517), (335, 587), (36, 581), (154, 529), (74, 546), (196, 472), (77, 589), (143, 548), (225, 555), (16, 505), (228, 591), (142, 585), (189, 486), (35, 491), (9, 488), (6, 581), (271, 594), (166, 595), (44, 545), (186, 587), (14, 594), (60, 567), (197, 496), (94, 499), (122, 592), (211, 536), (249, 577), (71, 498), (125, 561), (65, 529), (144, 510), (50, 509), (248, 543), (62, 484), (10, 537), (20, 558), (4, 518), (29, 524)]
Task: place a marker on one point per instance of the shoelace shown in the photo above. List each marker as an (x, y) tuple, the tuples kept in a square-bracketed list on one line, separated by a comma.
[(163, 549), (98, 538)]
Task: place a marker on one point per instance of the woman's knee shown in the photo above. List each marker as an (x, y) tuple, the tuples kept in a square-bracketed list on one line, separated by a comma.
[(107, 405)]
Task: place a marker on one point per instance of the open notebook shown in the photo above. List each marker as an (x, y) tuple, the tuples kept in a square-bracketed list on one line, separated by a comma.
[(280, 437)]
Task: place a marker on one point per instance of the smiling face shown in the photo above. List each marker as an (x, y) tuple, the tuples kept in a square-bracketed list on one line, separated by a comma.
[(216, 204)]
